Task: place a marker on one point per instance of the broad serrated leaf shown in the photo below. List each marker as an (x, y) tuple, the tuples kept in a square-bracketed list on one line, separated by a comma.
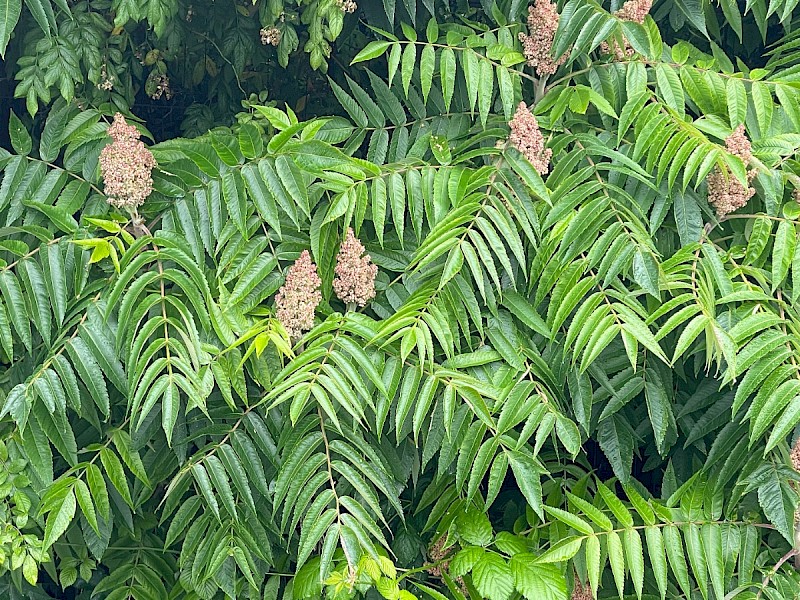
[(59, 519)]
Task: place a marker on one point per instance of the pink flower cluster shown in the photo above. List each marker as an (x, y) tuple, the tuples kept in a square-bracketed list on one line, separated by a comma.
[(526, 137), (538, 45), (632, 10), (299, 296), (355, 273), (725, 192), (738, 144), (794, 456), (635, 10), (271, 36), (126, 165)]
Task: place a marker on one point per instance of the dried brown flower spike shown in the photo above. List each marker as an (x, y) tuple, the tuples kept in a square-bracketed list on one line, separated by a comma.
[(299, 296), (581, 592), (126, 165), (438, 555)]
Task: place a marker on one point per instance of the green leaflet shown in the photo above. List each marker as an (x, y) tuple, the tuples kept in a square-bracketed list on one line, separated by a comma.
[(13, 8)]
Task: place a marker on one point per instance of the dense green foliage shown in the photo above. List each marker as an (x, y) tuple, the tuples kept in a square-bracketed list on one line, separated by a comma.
[(580, 383)]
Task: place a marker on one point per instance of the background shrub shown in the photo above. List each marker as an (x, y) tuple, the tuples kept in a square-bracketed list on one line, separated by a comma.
[(399, 300)]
